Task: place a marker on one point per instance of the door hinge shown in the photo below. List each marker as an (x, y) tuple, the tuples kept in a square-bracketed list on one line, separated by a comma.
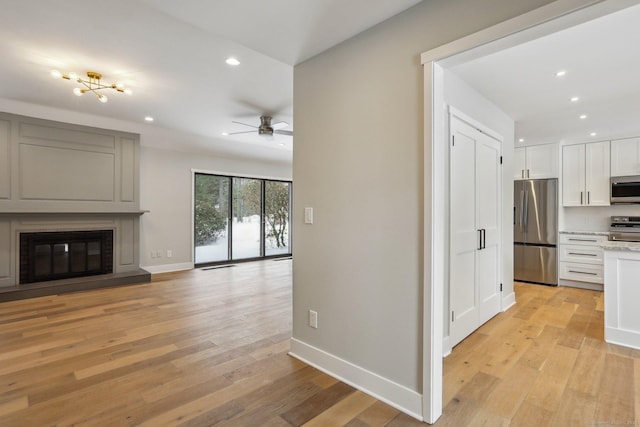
[(500, 159), (453, 316), (500, 287)]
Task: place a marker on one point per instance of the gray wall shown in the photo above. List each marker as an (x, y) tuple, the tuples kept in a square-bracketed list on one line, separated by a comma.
[(358, 161)]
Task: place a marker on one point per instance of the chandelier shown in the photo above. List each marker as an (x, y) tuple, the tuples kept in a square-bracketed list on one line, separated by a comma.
[(93, 84)]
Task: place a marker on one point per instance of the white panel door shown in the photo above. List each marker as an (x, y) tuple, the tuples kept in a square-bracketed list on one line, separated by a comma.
[(475, 179), (464, 235), (597, 173), (573, 179), (488, 222)]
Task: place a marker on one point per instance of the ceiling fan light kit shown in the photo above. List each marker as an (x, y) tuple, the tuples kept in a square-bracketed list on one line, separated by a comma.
[(93, 83)]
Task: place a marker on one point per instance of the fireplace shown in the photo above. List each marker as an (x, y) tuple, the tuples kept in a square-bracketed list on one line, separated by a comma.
[(46, 256)]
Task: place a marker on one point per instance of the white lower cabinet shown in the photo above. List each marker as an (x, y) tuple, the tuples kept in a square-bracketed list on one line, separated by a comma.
[(581, 258)]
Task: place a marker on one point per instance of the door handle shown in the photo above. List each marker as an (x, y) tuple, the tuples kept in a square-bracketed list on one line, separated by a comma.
[(588, 197), (484, 238), (581, 198), (583, 272), (514, 215), (480, 239)]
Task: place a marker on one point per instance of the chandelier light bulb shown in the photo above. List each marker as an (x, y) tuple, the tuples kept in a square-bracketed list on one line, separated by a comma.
[(56, 74), (102, 98), (77, 92), (73, 76), (128, 92)]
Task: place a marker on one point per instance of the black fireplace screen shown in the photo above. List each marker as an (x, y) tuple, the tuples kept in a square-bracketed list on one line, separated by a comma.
[(60, 255)]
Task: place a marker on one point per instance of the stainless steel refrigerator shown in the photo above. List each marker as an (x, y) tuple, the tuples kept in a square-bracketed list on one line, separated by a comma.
[(535, 231)]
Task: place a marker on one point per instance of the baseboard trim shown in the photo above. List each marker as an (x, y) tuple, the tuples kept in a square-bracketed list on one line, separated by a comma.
[(169, 268), (393, 394), (446, 346), (581, 285), (621, 337), (508, 301)]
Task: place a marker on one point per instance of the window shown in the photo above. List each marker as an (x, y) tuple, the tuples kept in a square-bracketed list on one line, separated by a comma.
[(239, 218)]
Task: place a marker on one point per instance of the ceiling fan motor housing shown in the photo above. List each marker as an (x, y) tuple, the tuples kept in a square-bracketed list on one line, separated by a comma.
[(265, 126)]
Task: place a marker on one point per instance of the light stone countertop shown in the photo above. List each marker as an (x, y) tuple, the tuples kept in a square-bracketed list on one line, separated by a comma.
[(621, 246), (589, 233)]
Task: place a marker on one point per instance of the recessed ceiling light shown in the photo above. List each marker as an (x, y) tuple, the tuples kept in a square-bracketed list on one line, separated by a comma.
[(575, 98), (225, 133), (583, 116), (148, 119), (561, 73), (232, 61), (521, 140), (593, 134)]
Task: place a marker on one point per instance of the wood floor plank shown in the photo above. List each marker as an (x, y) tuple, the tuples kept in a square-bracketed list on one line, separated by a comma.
[(201, 348), (342, 412)]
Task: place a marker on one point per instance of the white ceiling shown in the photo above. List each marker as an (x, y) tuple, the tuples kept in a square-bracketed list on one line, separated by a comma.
[(602, 67), (171, 53)]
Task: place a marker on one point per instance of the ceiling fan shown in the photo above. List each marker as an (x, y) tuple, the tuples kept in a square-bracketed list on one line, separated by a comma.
[(266, 128)]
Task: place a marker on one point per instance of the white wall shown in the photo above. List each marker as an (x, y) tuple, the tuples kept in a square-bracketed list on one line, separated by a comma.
[(460, 95), (165, 178), (358, 161)]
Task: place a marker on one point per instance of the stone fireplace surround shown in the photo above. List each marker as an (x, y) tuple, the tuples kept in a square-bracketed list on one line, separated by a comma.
[(61, 177)]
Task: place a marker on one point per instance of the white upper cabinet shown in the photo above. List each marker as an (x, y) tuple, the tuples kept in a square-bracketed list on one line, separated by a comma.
[(625, 157), (536, 162), (585, 174)]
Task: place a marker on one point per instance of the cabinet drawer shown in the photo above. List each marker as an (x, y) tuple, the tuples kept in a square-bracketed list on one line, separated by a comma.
[(583, 239), (581, 272), (582, 254)]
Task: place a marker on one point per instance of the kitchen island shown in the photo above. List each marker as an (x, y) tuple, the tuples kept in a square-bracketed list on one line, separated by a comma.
[(622, 293)]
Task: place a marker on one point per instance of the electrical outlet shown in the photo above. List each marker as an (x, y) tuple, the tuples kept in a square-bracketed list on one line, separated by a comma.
[(153, 254), (169, 253), (313, 319), (159, 253)]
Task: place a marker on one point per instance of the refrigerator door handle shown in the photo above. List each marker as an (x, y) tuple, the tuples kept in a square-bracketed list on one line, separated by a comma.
[(525, 212), (480, 239), (521, 210), (484, 238)]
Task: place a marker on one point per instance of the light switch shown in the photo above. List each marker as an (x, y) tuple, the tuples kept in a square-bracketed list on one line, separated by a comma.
[(308, 215)]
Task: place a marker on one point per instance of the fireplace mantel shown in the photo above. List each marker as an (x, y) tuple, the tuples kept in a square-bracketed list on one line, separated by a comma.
[(71, 213)]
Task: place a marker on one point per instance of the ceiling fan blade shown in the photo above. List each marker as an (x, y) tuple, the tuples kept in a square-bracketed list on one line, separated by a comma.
[(284, 132), (246, 131), (245, 124), (280, 125)]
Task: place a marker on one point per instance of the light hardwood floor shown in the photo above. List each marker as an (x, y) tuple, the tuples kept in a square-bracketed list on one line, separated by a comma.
[(209, 347)]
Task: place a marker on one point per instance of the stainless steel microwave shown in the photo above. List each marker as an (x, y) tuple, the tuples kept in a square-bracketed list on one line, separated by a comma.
[(625, 189)]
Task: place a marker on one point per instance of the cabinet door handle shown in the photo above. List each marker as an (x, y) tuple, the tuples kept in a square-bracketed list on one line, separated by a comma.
[(527, 173), (583, 272), (480, 239), (578, 253), (581, 198), (484, 238), (522, 173), (588, 197), (582, 240)]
